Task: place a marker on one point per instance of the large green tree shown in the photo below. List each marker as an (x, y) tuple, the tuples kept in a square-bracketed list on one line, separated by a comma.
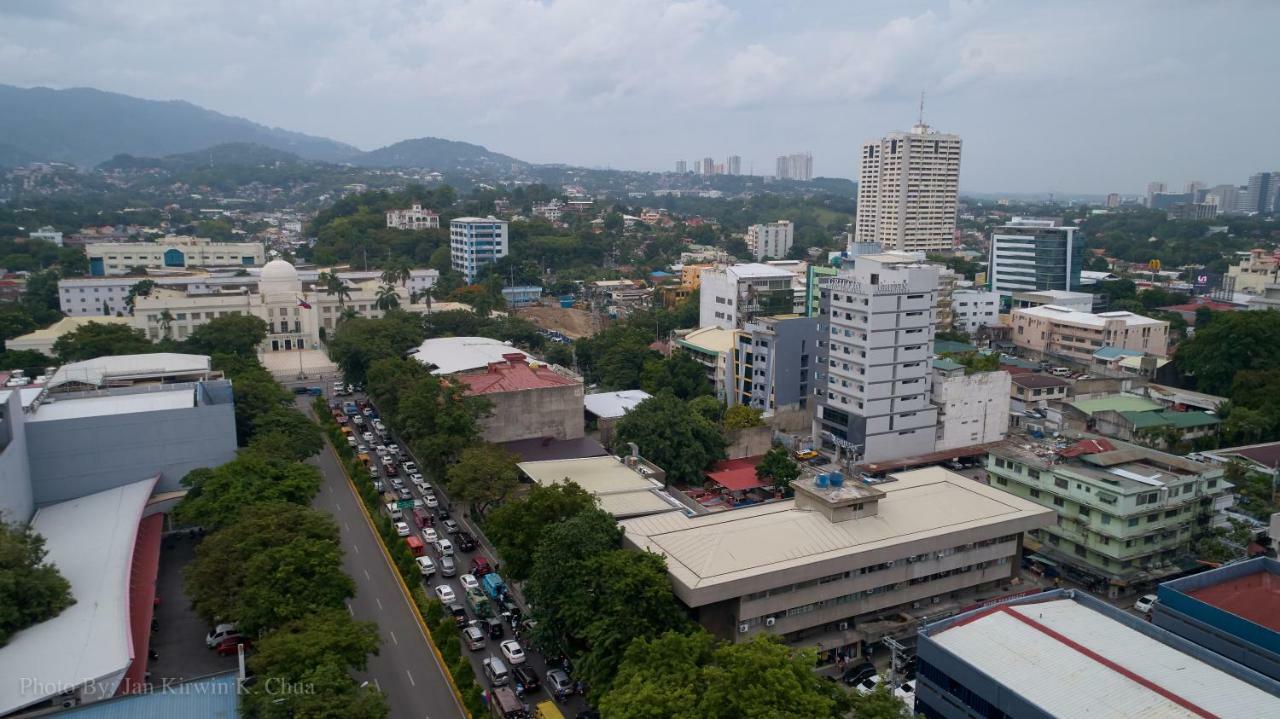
[(672, 436), (277, 563), (777, 468), (357, 342), (256, 393), (679, 373), (692, 676), (1233, 342), (100, 340), (485, 473), (286, 432), (216, 497), (516, 525), (439, 418), (234, 334), (31, 589)]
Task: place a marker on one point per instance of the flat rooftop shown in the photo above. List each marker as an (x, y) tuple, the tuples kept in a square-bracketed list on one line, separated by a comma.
[(1249, 590), (81, 407), (610, 405), (91, 540), (1124, 465), (1255, 597), (447, 355), (722, 548), (1058, 313), (1074, 661), (621, 490)]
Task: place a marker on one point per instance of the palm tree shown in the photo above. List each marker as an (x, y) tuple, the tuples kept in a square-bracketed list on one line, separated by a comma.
[(333, 285), (387, 298), (348, 314), (166, 323), (397, 273)]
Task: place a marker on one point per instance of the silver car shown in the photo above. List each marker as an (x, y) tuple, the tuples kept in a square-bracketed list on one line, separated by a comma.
[(448, 567)]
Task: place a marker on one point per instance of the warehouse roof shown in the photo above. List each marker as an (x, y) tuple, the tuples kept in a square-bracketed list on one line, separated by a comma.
[(514, 374), (1116, 403), (718, 549), (1163, 418), (152, 366), (1034, 380), (610, 405), (447, 355), (1058, 313), (1075, 660), (110, 404), (622, 491), (91, 541)]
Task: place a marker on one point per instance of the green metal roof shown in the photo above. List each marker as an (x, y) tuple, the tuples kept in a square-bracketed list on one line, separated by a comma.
[(947, 346), (1117, 403), (1181, 420), (946, 364)]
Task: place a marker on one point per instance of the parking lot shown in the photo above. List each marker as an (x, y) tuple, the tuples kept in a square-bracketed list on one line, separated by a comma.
[(179, 639), (443, 511)]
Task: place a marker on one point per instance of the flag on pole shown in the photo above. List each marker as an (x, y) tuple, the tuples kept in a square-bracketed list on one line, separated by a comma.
[(303, 304)]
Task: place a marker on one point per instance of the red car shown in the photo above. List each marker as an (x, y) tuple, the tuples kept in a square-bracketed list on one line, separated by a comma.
[(480, 567), (228, 646)]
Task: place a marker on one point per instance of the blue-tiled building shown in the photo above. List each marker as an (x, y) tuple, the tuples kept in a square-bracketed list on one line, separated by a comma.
[(1233, 610)]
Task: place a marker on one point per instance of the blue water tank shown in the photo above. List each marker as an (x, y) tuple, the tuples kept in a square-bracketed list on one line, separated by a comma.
[(836, 479), (821, 481)]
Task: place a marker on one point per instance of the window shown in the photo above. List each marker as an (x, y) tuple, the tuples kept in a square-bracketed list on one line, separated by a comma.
[(1033, 473), (1059, 502), (1035, 493), (1060, 483), (1002, 481), (1133, 521)]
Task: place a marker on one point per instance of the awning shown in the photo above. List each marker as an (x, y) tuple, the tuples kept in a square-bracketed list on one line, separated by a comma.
[(736, 475)]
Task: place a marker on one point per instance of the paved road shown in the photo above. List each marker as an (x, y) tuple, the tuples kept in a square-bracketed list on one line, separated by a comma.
[(569, 706), (405, 668)]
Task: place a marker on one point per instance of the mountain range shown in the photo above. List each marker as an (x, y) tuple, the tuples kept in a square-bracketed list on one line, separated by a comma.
[(86, 127)]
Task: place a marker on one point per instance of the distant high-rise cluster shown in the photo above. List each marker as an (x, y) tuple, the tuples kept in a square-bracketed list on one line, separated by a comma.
[(795, 167), (908, 186), (681, 167), (1259, 196), (732, 165)]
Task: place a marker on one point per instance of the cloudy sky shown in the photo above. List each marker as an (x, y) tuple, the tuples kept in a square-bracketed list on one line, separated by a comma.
[(1070, 96)]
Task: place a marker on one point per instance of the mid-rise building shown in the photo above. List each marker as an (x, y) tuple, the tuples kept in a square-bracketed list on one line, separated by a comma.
[(713, 347), (973, 408), (973, 309), (844, 563), (733, 165), (876, 329), (1260, 193), (1228, 198), (1078, 301), (771, 240), (1054, 330), (1127, 514), (171, 253), (414, 218), (1192, 211), (1030, 254), (774, 362), (731, 295), (908, 186), (46, 234), (681, 167), (1113, 200), (475, 242), (1066, 654), (531, 400), (798, 166), (1253, 273), (1153, 189)]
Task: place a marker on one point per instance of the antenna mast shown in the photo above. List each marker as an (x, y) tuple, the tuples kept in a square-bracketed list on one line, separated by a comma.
[(921, 119)]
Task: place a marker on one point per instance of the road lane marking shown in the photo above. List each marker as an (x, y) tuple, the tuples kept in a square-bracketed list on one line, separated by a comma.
[(411, 681), (366, 575), (393, 637), (346, 526), (356, 547), (350, 610), (379, 601)]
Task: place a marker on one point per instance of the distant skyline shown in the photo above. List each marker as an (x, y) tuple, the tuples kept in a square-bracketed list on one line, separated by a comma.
[(1064, 97)]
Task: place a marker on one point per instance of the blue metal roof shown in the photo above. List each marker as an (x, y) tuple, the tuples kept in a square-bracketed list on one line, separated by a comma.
[(213, 697), (1115, 352)]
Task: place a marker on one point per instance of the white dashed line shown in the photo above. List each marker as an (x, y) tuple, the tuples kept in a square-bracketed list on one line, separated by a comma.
[(356, 547), (411, 681), (393, 637), (366, 575), (379, 601)]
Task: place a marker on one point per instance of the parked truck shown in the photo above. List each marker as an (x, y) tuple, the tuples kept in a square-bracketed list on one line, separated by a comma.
[(479, 604), (493, 585)]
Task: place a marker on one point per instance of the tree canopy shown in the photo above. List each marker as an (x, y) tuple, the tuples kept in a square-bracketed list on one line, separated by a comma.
[(217, 497), (777, 468), (485, 473), (31, 589), (1233, 342), (672, 436), (516, 525), (99, 340), (357, 342)]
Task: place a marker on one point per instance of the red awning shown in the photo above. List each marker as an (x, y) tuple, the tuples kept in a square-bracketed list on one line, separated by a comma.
[(736, 475), (142, 598)]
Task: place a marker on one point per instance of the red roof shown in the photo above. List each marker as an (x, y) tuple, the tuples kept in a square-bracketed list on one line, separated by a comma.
[(142, 599), (736, 474), (1088, 446), (1255, 597), (514, 374)]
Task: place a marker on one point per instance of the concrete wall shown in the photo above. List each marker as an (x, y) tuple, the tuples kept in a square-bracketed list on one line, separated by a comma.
[(73, 457), (545, 412), (973, 409), (16, 501), (749, 442)]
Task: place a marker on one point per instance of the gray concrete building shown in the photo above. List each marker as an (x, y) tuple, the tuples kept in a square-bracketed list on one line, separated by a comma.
[(774, 362), (530, 399), (876, 328)]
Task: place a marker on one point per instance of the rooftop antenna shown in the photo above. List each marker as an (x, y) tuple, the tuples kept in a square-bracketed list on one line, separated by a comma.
[(921, 119)]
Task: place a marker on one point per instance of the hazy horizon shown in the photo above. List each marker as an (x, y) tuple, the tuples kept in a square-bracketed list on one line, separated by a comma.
[(1069, 98)]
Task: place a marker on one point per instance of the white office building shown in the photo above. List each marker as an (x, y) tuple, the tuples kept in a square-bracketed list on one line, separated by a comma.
[(730, 295), (772, 239), (876, 327), (475, 242), (908, 184), (973, 408), (46, 234), (414, 218), (1033, 254), (971, 310), (171, 253)]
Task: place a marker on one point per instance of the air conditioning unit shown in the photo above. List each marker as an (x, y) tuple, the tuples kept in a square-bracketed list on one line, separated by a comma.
[(770, 621), (937, 600), (915, 605), (842, 626), (742, 628)]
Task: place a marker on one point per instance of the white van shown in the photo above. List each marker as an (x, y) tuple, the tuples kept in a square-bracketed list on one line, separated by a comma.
[(1060, 372), (394, 510), (496, 670)]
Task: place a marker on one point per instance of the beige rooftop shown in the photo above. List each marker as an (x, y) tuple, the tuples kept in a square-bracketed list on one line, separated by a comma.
[(717, 551)]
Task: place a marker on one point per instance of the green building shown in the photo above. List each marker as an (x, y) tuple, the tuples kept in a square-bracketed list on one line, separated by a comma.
[(1127, 515), (811, 289)]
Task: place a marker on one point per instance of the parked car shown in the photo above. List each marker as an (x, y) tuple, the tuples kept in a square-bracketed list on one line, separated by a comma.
[(868, 685), (444, 547), (559, 684), (402, 529), (351, 440), (466, 542), (445, 593), (1144, 605), (397, 483), (459, 614), (219, 633), (473, 637), (512, 650), (367, 437), (906, 691), (429, 535), (410, 467), (404, 493), (373, 472), (432, 502), (469, 582), (230, 645), (425, 565), (448, 567), (480, 567), (855, 674), (378, 485)]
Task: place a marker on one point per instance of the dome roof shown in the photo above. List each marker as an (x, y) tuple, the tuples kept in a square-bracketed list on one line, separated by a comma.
[(279, 270)]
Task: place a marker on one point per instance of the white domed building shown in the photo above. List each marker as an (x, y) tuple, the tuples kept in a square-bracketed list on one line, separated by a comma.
[(298, 313)]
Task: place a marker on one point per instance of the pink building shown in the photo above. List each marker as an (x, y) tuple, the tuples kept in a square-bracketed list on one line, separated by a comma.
[(1071, 333)]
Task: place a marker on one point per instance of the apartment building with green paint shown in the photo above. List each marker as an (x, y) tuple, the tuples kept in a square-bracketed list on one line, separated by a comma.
[(1127, 515)]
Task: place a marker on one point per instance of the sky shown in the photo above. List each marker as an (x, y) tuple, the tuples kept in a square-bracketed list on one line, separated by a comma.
[(1074, 96)]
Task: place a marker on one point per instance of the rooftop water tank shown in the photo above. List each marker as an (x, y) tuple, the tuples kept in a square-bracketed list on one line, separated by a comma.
[(836, 479)]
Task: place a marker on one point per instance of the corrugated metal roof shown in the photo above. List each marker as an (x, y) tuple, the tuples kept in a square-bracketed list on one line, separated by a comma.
[(1116, 403), (1075, 662), (614, 404), (213, 697)]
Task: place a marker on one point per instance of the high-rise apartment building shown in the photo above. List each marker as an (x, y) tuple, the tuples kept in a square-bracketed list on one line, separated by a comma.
[(475, 242), (1030, 254), (733, 165), (1226, 197), (681, 167), (1261, 192), (708, 166), (875, 329), (795, 167), (1155, 188), (773, 239), (908, 185), (1113, 200)]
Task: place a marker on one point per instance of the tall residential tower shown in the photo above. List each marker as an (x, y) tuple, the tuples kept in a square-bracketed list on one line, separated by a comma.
[(908, 185)]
